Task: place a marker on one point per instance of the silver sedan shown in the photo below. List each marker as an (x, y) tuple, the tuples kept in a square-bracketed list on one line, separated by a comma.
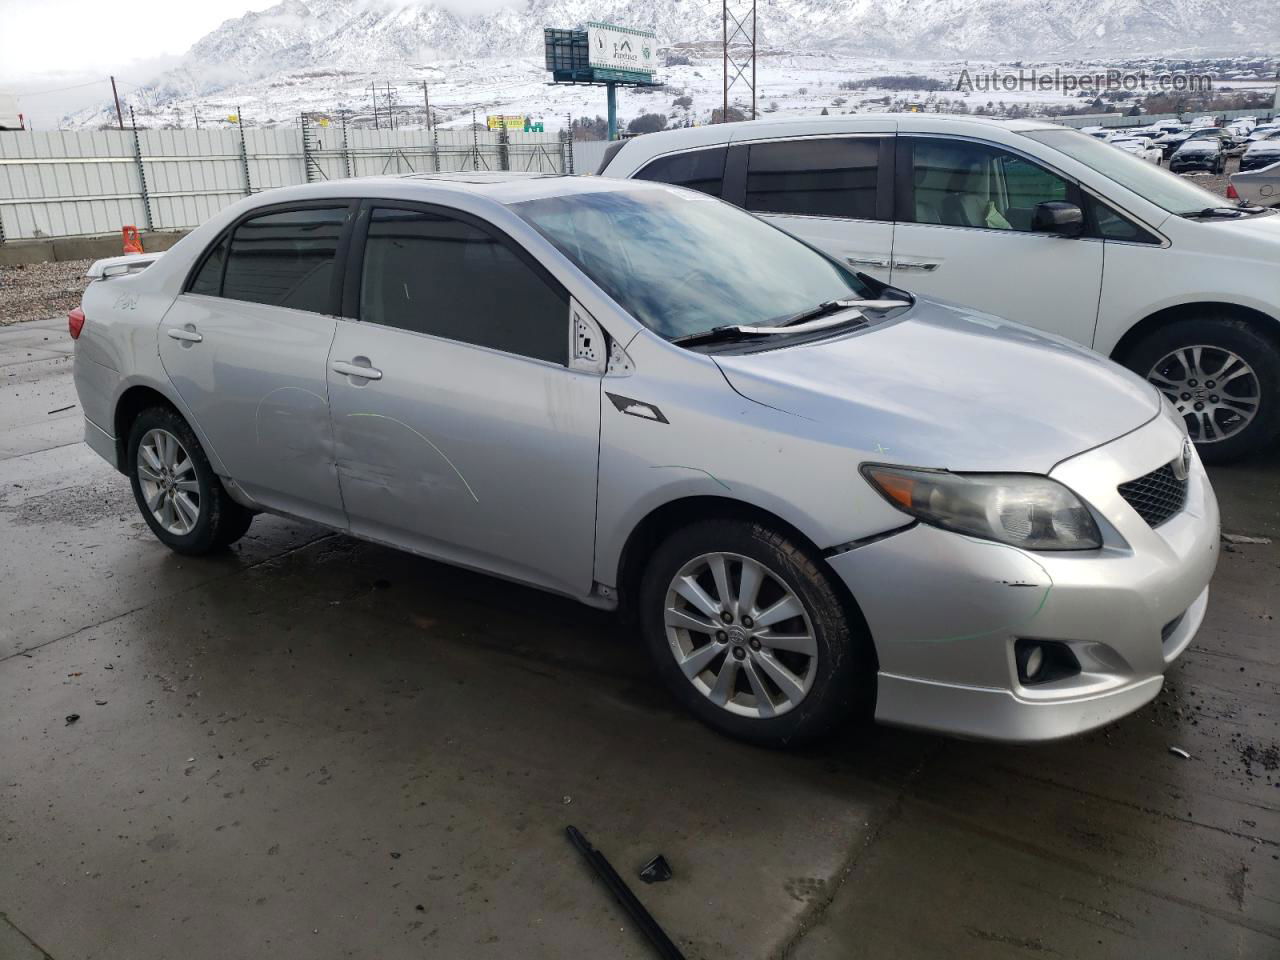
[(823, 499)]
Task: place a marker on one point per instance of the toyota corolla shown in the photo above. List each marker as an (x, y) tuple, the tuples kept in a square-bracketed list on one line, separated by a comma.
[(825, 500)]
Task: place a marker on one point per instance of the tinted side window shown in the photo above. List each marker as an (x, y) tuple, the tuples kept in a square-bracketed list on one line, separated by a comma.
[(698, 170), (819, 177), (963, 184), (433, 274), (209, 278), (285, 259)]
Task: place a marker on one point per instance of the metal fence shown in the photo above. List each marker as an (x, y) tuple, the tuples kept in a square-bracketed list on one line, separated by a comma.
[(82, 183)]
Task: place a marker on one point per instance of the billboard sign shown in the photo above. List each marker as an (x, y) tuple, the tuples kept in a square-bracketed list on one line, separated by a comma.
[(621, 49)]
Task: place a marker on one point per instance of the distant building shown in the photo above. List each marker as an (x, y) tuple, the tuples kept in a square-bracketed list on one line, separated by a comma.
[(10, 118)]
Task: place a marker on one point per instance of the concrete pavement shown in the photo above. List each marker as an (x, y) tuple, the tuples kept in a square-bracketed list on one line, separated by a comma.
[(315, 747)]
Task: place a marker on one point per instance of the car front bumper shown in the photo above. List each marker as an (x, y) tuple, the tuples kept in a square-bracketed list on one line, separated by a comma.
[(945, 610)]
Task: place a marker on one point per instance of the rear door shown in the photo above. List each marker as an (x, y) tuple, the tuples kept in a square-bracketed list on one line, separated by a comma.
[(246, 346), (964, 233), (834, 192), (461, 430)]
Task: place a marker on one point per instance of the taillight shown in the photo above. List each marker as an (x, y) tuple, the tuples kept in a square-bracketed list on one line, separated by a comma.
[(1231, 192), (75, 322)]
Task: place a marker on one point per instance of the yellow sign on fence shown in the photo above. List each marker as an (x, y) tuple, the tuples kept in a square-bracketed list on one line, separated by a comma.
[(497, 122)]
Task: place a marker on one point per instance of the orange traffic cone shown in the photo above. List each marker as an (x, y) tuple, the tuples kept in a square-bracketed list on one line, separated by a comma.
[(132, 239)]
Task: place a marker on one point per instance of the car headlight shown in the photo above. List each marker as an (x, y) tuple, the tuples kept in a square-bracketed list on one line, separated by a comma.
[(1022, 510)]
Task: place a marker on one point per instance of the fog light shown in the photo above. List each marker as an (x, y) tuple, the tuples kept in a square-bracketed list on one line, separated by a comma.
[(1042, 661)]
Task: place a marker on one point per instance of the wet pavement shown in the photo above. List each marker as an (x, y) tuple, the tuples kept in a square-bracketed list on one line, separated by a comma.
[(315, 747)]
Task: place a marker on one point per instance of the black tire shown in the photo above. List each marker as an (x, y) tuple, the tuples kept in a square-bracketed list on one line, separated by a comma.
[(220, 522), (844, 675), (1254, 347)]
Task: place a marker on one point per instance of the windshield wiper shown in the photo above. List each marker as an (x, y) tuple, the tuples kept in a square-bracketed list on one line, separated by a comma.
[(819, 318), (1207, 212)]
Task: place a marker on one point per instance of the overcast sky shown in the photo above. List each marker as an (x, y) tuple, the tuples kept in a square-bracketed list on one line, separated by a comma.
[(49, 45)]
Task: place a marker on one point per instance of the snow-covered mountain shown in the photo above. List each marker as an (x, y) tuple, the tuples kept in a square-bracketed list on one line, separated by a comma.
[(316, 48)]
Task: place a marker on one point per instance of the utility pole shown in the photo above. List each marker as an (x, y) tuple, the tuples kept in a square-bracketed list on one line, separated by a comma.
[(743, 35), (426, 103), (374, 87), (119, 115)]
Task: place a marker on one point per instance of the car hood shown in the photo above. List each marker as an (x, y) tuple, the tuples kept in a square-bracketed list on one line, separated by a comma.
[(949, 387)]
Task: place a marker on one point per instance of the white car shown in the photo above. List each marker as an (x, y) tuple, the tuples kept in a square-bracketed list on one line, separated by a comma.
[(1261, 186), (1140, 147), (1018, 218), (1262, 131)]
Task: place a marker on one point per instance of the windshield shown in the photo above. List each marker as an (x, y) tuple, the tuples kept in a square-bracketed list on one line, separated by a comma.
[(681, 262), (1166, 190)]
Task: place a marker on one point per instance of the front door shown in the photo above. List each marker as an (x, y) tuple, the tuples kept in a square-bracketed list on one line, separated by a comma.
[(461, 431), (964, 234), (246, 346)]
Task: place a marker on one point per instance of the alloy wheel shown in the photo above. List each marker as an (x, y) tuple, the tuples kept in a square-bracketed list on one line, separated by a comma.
[(740, 634), (1214, 389), (167, 477)]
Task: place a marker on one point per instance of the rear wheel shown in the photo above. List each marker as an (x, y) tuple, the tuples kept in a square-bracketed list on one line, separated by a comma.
[(1222, 376), (179, 495), (750, 634)]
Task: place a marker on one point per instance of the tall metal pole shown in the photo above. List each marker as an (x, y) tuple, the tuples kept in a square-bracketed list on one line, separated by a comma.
[(244, 154), (612, 89), (374, 88), (119, 115), (724, 24), (753, 59), (426, 103)]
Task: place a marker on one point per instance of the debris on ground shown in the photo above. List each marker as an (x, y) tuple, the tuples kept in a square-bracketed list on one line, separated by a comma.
[(1242, 538), (38, 291), (100, 703), (656, 870), (1179, 752), (70, 406), (72, 718)]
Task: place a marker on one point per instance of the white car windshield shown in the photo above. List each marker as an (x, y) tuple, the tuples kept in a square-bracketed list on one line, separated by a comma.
[(1155, 184), (682, 263)]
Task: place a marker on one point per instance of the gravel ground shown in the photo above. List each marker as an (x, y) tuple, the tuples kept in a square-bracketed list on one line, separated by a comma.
[(1215, 183), (38, 291)]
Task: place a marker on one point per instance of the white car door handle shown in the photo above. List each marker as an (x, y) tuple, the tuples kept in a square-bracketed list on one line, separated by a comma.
[(190, 336), (356, 370), (926, 265), (881, 262)]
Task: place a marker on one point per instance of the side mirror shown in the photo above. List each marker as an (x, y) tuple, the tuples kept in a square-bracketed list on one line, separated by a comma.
[(1056, 216)]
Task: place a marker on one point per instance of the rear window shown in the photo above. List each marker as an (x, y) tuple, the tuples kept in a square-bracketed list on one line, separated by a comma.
[(815, 177), (701, 170), (285, 259)]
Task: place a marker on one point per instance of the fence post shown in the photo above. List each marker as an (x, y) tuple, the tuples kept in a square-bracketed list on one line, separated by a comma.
[(346, 153), (244, 155), (306, 147), (566, 149), (142, 170), (475, 143), (504, 146), (435, 147)]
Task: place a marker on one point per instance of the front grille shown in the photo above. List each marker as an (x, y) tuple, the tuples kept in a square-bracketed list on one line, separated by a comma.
[(1157, 496)]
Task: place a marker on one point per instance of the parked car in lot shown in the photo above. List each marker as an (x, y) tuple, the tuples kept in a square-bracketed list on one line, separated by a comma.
[(1261, 152), (1019, 218), (1207, 154), (1140, 147), (1260, 186), (1171, 143), (824, 498)]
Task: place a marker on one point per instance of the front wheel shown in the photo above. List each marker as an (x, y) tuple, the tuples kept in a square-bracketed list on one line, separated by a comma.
[(179, 495), (1222, 375), (750, 634)]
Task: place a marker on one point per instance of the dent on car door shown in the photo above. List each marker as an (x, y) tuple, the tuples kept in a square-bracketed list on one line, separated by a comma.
[(833, 192), (967, 232), (461, 430), (246, 344)]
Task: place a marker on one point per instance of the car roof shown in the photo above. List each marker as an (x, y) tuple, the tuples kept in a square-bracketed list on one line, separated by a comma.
[(500, 187), (638, 150)]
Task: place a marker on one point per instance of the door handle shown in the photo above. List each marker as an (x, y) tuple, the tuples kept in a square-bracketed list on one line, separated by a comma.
[(928, 266), (881, 262), (353, 369), (186, 335)]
